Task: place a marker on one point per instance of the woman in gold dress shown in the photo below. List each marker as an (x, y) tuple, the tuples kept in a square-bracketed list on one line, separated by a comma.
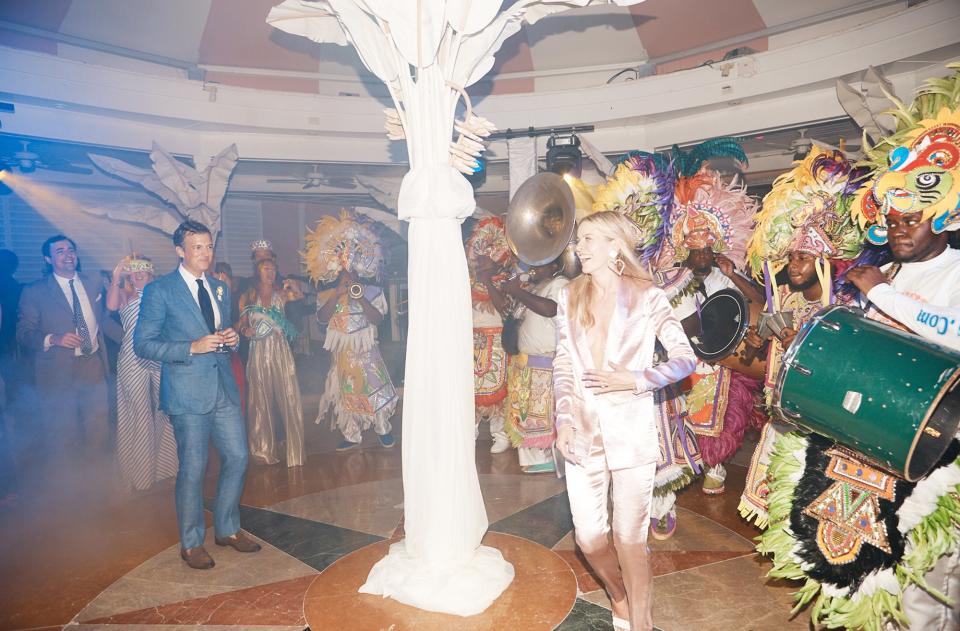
[(273, 395)]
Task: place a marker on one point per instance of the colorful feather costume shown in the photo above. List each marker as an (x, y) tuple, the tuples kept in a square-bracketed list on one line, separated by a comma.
[(858, 567), (343, 243), (708, 213), (358, 386), (807, 210), (488, 239)]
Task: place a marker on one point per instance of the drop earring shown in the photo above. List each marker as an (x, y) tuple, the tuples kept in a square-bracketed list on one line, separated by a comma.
[(619, 265)]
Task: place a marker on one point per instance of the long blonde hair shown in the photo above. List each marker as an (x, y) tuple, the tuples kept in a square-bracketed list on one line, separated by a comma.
[(625, 236)]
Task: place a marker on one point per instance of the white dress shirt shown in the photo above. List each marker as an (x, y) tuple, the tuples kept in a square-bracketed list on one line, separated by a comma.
[(85, 308), (538, 334), (191, 282), (712, 283), (924, 297)]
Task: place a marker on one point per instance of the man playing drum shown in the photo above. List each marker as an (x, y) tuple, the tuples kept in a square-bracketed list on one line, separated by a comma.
[(800, 227), (710, 225), (875, 550)]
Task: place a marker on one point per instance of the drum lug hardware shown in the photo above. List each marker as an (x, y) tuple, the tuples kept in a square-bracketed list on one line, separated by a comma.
[(789, 413), (851, 401), (931, 431), (800, 368)]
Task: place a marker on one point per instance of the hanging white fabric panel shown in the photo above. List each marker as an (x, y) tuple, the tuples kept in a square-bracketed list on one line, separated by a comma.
[(522, 156)]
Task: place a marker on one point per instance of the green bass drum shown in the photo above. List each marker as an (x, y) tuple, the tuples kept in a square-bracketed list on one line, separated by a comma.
[(890, 395)]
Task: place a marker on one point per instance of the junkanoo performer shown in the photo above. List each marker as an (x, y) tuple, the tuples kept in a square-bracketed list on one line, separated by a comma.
[(358, 388), (608, 321), (487, 254), (530, 419), (642, 188), (897, 565), (709, 227), (804, 223)]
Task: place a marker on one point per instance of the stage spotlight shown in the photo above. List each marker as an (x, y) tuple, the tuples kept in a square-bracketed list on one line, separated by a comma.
[(563, 155), (4, 189), (27, 165)]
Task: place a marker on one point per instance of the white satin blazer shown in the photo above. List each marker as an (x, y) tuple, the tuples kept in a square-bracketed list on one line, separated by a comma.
[(625, 419)]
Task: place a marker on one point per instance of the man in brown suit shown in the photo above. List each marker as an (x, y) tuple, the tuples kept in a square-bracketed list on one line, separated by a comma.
[(60, 322)]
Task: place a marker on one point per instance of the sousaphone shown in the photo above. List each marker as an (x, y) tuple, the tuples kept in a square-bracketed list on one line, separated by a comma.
[(540, 220)]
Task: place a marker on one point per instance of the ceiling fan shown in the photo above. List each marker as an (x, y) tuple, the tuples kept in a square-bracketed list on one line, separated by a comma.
[(315, 179), (801, 145), (27, 161)]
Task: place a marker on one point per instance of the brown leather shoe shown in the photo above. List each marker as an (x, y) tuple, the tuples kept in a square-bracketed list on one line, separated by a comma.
[(239, 542), (197, 558)]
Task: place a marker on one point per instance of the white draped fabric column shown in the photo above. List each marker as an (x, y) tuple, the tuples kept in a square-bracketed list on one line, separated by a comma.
[(440, 565)]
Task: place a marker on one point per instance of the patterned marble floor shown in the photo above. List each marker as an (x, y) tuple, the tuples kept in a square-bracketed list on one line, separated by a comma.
[(77, 551)]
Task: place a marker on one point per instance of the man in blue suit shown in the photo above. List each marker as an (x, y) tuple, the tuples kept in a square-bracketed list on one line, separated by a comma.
[(184, 324)]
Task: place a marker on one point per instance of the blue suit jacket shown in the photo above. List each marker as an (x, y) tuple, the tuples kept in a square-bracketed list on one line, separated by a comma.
[(170, 319)]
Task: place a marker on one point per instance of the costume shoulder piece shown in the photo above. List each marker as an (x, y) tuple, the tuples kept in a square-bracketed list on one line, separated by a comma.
[(918, 167)]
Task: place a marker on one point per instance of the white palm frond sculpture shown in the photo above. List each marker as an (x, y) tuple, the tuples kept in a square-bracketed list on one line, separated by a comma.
[(188, 193), (428, 52)]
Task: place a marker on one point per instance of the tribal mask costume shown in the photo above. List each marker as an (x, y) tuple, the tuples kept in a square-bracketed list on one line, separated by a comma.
[(345, 243), (923, 176)]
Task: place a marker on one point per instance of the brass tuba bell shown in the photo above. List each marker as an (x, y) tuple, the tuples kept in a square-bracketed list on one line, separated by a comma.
[(540, 219)]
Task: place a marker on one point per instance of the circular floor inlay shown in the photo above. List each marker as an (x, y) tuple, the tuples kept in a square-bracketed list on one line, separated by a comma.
[(540, 597)]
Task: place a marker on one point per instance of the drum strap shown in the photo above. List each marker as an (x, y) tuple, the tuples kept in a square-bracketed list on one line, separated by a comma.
[(893, 271)]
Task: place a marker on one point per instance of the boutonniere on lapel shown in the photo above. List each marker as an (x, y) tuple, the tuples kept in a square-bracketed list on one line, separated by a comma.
[(220, 293)]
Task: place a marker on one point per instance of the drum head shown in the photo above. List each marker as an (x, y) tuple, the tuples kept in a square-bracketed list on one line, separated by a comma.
[(724, 318)]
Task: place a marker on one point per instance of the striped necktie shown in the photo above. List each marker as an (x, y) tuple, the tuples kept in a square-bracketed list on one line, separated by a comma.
[(80, 323)]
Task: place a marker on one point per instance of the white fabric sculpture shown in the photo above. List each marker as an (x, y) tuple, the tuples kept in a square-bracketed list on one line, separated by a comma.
[(193, 194), (427, 52)]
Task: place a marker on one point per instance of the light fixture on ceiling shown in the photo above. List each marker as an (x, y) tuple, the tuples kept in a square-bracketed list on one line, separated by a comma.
[(26, 160), (563, 154)]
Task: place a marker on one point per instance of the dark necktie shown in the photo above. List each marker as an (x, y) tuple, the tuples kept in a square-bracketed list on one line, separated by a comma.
[(80, 323), (206, 307)]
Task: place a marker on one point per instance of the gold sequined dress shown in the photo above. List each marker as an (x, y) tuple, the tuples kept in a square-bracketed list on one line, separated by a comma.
[(274, 410)]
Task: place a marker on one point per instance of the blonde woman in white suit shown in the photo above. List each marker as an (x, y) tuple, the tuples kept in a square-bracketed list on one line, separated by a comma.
[(608, 322)]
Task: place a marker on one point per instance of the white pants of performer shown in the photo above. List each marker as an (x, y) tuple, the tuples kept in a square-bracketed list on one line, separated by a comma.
[(530, 456), (496, 421), (925, 612)]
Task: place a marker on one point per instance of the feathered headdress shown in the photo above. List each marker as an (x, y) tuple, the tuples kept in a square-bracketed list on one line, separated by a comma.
[(641, 189), (344, 243), (918, 167), (708, 213), (808, 209), (688, 163)]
